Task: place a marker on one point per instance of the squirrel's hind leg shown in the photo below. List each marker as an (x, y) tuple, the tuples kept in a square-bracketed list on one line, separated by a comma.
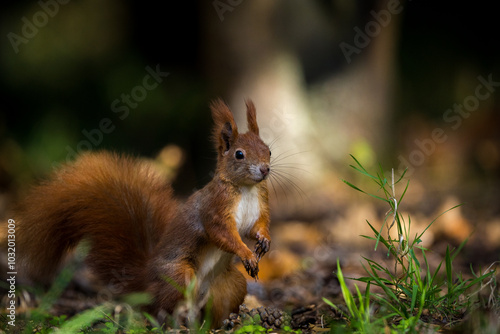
[(168, 289), (228, 290)]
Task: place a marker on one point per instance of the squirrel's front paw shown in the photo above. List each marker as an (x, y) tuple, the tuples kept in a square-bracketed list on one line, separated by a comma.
[(252, 266), (262, 246)]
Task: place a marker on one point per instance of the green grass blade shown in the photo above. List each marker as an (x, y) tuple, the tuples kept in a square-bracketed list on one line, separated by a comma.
[(374, 265), (362, 191), (436, 273), (473, 272), (462, 244), (402, 176), (353, 186), (367, 297), (390, 305), (348, 298), (361, 307), (432, 222), (329, 303), (381, 282), (360, 168), (414, 297), (472, 282), (449, 275), (414, 258), (84, 319), (379, 236), (368, 237), (364, 172), (404, 192), (427, 269)]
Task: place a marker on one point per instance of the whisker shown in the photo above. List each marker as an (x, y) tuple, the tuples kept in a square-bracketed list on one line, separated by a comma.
[(289, 174), (286, 172), (290, 166), (281, 156), (287, 178), (290, 184), (285, 152), (280, 184), (282, 177), (274, 141), (272, 185), (286, 188)]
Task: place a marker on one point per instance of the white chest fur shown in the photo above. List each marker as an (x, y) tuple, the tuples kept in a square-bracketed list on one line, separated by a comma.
[(247, 210)]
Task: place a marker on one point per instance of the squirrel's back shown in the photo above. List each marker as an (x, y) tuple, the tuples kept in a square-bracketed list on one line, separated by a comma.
[(99, 195)]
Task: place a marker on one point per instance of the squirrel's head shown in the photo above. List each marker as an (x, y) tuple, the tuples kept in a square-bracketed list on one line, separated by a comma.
[(242, 159)]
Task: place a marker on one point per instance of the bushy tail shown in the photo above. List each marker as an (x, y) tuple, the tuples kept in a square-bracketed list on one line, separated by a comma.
[(119, 204)]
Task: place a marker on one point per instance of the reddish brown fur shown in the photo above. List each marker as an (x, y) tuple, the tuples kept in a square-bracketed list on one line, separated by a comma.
[(139, 232), (101, 195)]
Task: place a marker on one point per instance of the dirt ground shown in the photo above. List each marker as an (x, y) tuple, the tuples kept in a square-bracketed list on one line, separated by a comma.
[(309, 235)]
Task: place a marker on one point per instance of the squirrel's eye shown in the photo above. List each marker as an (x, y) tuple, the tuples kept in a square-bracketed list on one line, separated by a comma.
[(239, 155), (269, 152)]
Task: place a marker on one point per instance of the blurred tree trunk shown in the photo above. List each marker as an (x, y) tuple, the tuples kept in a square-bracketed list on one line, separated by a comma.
[(263, 50)]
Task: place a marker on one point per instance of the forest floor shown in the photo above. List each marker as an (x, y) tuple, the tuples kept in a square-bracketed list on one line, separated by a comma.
[(300, 271)]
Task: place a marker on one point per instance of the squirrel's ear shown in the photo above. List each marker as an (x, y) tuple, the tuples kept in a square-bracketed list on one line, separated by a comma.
[(252, 117), (225, 130)]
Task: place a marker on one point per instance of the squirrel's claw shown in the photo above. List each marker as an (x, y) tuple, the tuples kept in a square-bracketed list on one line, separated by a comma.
[(252, 268), (262, 247)]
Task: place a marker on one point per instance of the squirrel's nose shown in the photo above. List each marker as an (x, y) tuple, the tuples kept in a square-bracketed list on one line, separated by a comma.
[(264, 169)]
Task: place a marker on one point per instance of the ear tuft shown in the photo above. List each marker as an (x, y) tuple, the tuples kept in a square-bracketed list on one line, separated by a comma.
[(225, 131), (252, 117), (226, 134)]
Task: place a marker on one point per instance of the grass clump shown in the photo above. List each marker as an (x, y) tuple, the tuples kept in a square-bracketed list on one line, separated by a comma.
[(412, 295)]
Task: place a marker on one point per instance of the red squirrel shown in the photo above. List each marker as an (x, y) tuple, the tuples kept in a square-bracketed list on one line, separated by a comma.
[(139, 232)]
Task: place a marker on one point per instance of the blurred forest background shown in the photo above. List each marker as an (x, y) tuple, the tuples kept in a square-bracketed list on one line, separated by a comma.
[(404, 84)]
